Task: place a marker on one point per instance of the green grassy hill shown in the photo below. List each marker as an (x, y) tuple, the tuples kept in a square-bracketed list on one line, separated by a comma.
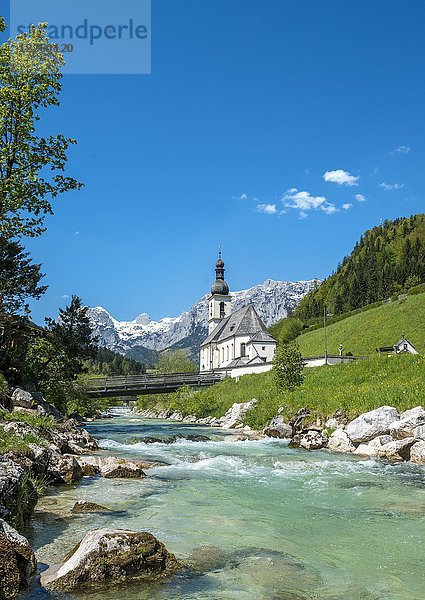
[(363, 332), (354, 388)]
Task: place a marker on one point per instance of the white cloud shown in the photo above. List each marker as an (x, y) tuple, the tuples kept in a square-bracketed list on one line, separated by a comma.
[(401, 150), (267, 209), (340, 177), (307, 171), (76, 233), (329, 208), (64, 297), (243, 197), (347, 206), (304, 201), (391, 186), (360, 198)]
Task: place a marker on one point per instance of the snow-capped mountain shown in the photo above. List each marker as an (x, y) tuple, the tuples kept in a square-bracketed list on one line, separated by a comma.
[(271, 299)]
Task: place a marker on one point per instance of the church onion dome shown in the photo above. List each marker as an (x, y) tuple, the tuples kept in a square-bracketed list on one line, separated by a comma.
[(220, 287)]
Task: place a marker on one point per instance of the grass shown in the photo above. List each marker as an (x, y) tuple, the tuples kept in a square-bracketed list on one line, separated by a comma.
[(39, 421), (362, 333), (9, 442), (354, 388)]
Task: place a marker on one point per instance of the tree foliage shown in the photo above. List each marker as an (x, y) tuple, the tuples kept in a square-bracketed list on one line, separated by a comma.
[(31, 166), (175, 361), (107, 362), (59, 355), (388, 259), (288, 366), (19, 278)]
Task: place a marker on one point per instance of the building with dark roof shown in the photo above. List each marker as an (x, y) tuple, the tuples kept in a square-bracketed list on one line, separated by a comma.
[(235, 340)]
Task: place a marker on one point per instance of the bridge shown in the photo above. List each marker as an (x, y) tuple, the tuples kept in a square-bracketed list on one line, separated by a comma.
[(139, 385)]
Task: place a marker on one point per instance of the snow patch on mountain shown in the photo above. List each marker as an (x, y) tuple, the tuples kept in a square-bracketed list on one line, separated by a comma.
[(272, 300)]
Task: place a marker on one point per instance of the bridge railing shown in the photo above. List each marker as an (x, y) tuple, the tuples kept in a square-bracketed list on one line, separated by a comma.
[(152, 380)]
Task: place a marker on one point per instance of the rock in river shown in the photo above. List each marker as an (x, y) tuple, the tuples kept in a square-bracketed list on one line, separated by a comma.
[(371, 424), (17, 562), (277, 428), (107, 555), (81, 506)]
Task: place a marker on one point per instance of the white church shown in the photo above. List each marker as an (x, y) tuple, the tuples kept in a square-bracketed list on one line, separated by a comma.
[(238, 342)]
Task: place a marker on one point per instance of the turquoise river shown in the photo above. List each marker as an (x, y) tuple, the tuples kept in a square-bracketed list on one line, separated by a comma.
[(253, 519)]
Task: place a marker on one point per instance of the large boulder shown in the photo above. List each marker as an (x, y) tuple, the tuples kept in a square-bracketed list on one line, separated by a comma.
[(396, 450), (63, 468), (417, 452), (14, 482), (371, 424), (371, 448), (277, 428), (234, 416), (17, 562), (409, 420), (340, 442), (107, 555), (23, 399), (309, 440), (419, 433), (120, 468), (312, 440)]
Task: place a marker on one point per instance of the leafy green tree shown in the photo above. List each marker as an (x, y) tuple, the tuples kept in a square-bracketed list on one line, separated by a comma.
[(72, 336), (60, 354), (175, 361), (19, 279), (31, 166), (286, 330), (288, 366)]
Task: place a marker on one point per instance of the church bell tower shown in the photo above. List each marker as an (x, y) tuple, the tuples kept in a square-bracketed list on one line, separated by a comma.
[(219, 306)]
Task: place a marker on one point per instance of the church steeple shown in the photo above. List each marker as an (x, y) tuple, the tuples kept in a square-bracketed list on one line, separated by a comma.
[(219, 302), (219, 286)]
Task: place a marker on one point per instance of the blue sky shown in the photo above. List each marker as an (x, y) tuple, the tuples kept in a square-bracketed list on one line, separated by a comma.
[(261, 123)]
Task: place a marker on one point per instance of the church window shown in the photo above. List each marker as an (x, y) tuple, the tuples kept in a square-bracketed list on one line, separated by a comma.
[(263, 348), (222, 355), (227, 352), (243, 349), (222, 310)]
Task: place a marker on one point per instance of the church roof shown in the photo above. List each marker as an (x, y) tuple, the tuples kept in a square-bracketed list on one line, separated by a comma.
[(244, 321), (261, 336)]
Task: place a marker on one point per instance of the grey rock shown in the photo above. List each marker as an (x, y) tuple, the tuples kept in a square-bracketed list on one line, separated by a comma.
[(419, 432), (277, 428), (17, 562), (409, 420), (340, 442), (417, 452), (22, 398), (82, 506), (106, 555), (63, 468), (371, 424), (397, 450)]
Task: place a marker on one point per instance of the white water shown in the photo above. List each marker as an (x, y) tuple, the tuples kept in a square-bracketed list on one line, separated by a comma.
[(257, 519)]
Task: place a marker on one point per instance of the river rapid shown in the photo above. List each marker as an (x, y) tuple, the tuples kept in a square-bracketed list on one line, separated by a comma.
[(253, 519)]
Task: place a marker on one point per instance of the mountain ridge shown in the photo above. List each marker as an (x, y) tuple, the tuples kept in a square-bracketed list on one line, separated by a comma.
[(272, 300)]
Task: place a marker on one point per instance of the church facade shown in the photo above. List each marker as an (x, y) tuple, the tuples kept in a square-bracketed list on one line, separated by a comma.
[(238, 341)]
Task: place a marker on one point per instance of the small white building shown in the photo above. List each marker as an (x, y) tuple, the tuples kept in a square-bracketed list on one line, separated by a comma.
[(238, 343), (401, 347)]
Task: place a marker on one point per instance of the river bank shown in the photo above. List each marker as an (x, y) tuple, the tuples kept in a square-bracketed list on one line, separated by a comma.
[(254, 519), (236, 505)]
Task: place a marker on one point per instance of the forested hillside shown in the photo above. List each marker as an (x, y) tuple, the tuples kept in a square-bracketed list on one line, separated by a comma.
[(107, 362), (388, 259)]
